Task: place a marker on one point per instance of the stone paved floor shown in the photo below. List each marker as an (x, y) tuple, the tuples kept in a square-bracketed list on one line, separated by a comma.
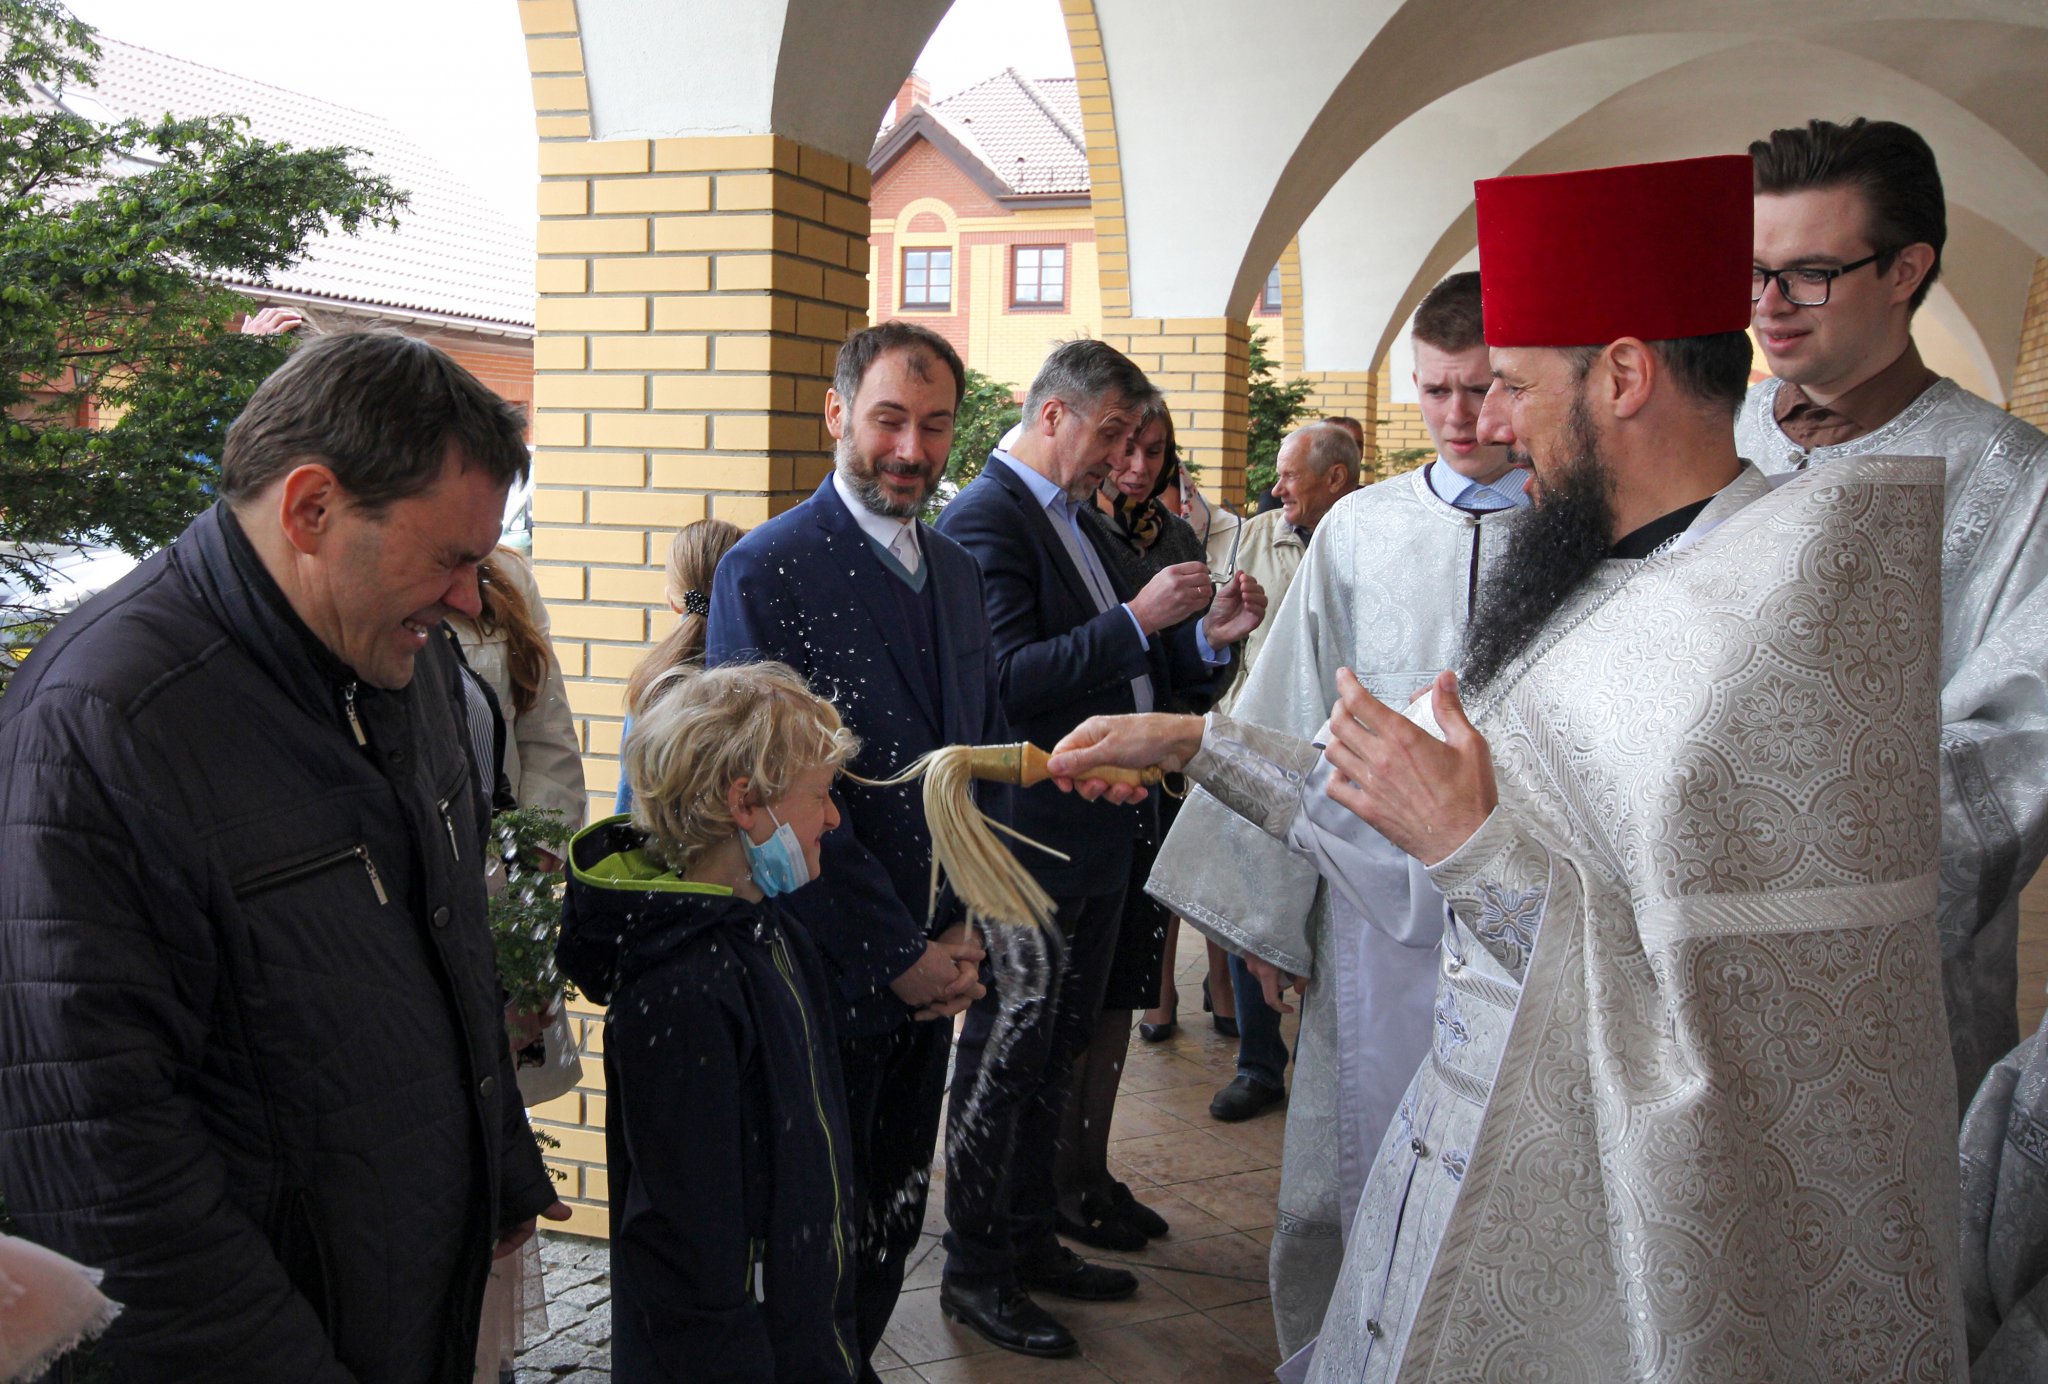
[(1200, 1315)]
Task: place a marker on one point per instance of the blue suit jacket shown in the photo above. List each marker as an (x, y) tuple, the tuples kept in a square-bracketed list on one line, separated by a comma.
[(1060, 661), (808, 589)]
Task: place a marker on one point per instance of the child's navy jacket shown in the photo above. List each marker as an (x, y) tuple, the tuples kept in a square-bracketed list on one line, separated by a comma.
[(725, 1124)]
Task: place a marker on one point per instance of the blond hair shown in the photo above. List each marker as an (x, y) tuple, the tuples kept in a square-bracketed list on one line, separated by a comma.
[(699, 731), (693, 557)]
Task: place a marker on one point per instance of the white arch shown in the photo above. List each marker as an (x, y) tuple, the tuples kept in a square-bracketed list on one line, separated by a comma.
[(1999, 197)]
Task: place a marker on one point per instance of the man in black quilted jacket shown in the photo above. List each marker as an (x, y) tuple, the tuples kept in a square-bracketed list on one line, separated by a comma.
[(252, 1059)]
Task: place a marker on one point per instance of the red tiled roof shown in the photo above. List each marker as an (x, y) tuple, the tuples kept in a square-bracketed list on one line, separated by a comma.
[(1026, 131), (453, 255)]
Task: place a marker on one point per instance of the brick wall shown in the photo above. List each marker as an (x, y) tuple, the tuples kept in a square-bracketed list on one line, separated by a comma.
[(2030, 377), (1399, 428)]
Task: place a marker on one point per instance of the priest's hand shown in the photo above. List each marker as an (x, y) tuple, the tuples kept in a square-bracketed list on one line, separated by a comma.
[(1425, 795), (1239, 607), (1133, 742)]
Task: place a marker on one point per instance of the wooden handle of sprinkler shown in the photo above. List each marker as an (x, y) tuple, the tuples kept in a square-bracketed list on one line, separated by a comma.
[(1024, 764)]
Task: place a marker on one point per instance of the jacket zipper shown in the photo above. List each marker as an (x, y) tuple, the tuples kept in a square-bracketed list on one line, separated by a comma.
[(448, 821), (782, 965), (291, 874), (348, 707)]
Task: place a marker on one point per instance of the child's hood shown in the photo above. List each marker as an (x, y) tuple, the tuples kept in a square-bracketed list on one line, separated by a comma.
[(626, 910)]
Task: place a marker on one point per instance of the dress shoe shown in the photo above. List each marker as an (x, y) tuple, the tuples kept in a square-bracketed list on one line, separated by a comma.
[(1101, 1225), (1244, 1098), (1136, 1214), (1003, 1314), (1067, 1274)]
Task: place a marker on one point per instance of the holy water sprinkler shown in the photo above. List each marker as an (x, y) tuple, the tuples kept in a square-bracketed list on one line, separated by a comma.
[(983, 872), (1024, 765)]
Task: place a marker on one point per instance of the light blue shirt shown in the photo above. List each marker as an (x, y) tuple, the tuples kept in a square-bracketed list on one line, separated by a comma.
[(1065, 515), (1510, 491)]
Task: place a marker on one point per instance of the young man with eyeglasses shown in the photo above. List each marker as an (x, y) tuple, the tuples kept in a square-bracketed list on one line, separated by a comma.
[(1850, 221)]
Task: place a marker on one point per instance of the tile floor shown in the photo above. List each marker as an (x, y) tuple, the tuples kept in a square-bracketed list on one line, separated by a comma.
[(1200, 1315)]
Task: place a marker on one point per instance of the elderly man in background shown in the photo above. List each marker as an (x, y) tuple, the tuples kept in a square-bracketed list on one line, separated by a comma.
[(1318, 465), (1385, 590), (256, 1066)]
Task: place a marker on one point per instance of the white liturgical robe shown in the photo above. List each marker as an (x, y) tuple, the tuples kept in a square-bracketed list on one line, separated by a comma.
[(1994, 676), (1686, 1112), (1385, 590)]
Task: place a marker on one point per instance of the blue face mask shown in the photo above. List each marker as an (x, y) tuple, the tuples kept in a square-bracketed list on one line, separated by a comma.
[(777, 864)]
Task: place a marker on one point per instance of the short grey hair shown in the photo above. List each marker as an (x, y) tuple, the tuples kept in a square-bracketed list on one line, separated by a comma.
[(1328, 445), (1082, 372)]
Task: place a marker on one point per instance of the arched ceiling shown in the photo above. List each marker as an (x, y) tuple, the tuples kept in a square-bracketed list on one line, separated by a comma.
[(1373, 168), (818, 71), (1408, 200)]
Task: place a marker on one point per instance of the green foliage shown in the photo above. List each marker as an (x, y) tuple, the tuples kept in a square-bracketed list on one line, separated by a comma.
[(527, 916), (987, 410), (1275, 408), (107, 234)]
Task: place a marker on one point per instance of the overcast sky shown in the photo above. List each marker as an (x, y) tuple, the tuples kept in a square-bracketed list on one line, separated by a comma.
[(457, 82)]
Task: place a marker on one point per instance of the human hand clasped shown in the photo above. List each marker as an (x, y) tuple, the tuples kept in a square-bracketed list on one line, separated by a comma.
[(1173, 594), (946, 979), (1425, 795), (1239, 608)]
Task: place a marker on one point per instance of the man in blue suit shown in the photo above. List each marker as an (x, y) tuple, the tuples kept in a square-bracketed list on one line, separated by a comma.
[(883, 617), (1070, 642)]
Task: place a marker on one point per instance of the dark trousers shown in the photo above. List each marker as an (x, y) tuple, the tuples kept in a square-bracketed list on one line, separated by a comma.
[(895, 1083), (1261, 1051), (999, 1166)]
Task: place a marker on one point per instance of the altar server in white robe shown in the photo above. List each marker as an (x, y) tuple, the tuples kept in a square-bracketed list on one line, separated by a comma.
[(1685, 1114), (1385, 590), (1850, 222)]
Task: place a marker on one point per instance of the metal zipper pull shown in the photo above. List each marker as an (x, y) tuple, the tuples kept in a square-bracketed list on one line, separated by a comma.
[(448, 821), (376, 880), (348, 706)]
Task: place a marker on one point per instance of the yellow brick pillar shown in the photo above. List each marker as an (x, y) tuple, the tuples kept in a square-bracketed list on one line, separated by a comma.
[(1350, 394), (2030, 376), (1199, 363), (692, 294)]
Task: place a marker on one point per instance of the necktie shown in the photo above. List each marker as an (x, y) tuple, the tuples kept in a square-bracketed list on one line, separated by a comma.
[(904, 550)]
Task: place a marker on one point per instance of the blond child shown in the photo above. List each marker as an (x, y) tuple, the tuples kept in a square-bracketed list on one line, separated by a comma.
[(726, 1132)]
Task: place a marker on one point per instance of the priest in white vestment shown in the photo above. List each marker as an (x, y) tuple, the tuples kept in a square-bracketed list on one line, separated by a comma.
[(1686, 1111), (1850, 222), (1385, 590)]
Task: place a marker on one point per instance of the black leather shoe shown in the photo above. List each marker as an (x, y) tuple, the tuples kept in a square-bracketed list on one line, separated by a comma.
[(1244, 1098), (1067, 1274), (1003, 1314), (1136, 1214), (1101, 1225)]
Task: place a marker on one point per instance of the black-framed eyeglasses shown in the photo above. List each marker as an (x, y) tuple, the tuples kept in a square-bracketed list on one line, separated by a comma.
[(1805, 286)]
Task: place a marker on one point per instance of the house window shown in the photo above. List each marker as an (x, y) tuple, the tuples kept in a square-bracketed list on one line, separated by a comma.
[(1039, 276), (927, 278), (1269, 301)]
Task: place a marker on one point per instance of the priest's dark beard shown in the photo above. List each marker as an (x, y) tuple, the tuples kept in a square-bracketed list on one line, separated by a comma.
[(1549, 552)]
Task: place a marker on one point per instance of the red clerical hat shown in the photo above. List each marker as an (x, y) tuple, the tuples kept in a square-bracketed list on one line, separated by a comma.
[(1651, 250)]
